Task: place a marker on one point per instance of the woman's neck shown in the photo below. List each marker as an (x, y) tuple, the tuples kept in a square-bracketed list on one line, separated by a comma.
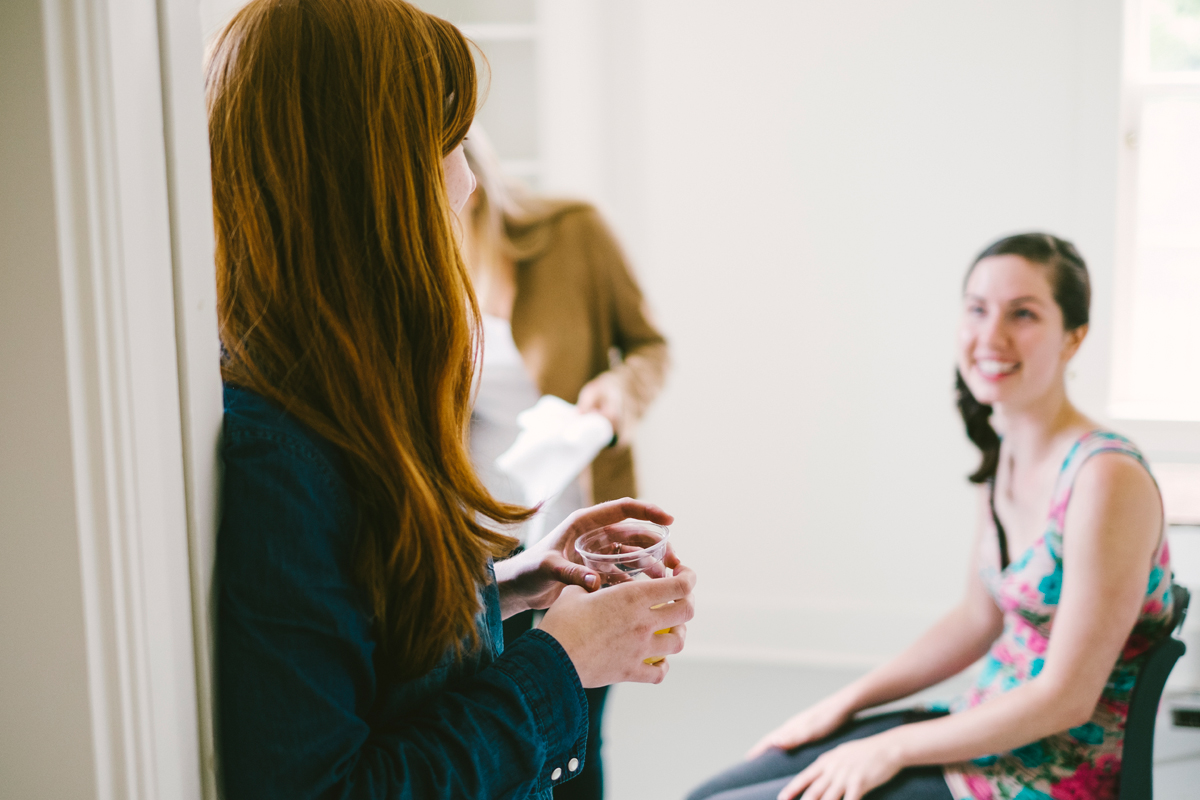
[(493, 275), (1034, 432)]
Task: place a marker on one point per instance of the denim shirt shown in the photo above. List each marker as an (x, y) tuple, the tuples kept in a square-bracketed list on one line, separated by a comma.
[(302, 711)]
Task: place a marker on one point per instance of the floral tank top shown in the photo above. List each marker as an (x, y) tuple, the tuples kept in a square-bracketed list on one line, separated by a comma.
[(1082, 763)]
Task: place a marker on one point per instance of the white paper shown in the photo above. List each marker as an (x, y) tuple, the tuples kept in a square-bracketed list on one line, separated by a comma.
[(555, 444)]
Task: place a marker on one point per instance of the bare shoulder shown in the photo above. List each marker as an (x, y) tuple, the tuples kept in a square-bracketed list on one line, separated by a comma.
[(1114, 475), (1115, 493)]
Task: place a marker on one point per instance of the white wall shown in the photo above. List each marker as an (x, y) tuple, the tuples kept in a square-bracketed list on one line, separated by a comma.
[(45, 735), (803, 186), (215, 13)]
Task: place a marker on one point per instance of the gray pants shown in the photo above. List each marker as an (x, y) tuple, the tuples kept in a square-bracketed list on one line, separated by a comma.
[(762, 778)]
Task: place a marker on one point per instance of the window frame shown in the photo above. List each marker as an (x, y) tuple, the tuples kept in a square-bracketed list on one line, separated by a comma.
[(1163, 438)]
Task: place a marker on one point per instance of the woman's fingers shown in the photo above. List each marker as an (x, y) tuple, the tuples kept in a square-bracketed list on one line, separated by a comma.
[(656, 569), (591, 398), (809, 779), (761, 746), (672, 615), (779, 739), (834, 791), (610, 635), (666, 644), (665, 592), (669, 590), (784, 737), (809, 725), (603, 394), (649, 673), (572, 574), (615, 511), (667, 602)]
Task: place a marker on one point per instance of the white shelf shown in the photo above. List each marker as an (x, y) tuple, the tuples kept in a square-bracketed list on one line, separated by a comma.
[(501, 31)]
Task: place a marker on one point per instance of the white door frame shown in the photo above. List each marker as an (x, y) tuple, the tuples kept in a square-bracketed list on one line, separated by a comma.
[(129, 148)]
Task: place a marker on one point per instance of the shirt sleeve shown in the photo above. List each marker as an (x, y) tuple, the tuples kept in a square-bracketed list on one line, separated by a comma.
[(297, 687), (645, 358)]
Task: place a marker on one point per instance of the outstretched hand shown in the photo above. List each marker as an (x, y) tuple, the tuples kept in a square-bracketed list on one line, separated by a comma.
[(811, 724), (846, 772), (603, 394), (536, 577)]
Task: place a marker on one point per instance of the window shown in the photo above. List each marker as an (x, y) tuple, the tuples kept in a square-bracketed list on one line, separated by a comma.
[(507, 31), (1156, 353), (1156, 369)]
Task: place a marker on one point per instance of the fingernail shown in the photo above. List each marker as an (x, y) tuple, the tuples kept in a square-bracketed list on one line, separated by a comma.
[(590, 581)]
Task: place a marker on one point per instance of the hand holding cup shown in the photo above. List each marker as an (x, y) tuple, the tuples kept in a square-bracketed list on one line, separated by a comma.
[(625, 632), (630, 550)]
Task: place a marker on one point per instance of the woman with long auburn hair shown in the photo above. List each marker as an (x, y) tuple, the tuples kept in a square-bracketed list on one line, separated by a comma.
[(358, 608)]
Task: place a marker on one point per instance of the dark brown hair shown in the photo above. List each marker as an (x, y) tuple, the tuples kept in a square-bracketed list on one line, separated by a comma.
[(342, 293), (1072, 292)]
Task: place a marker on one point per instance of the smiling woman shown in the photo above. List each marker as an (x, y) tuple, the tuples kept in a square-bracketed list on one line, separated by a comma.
[(1064, 626), (1071, 292)]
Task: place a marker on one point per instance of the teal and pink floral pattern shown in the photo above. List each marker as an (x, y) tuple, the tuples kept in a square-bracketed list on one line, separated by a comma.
[(1082, 763)]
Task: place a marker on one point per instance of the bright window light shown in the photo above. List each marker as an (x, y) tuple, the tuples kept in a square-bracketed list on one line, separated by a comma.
[(1173, 32), (1157, 353)]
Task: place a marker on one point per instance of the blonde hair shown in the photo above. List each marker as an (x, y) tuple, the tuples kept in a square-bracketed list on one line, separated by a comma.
[(506, 218)]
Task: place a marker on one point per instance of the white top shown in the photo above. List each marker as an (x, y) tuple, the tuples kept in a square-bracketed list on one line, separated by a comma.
[(505, 390)]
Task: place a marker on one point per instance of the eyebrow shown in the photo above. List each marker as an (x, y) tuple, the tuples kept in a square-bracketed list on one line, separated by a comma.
[(1014, 302)]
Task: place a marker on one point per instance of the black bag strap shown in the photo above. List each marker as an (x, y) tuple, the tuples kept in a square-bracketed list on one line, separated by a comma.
[(1001, 536)]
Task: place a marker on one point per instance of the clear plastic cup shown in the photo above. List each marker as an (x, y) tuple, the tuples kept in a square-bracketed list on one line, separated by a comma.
[(626, 551)]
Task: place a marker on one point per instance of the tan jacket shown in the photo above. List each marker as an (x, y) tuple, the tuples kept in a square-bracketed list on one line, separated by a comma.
[(579, 312)]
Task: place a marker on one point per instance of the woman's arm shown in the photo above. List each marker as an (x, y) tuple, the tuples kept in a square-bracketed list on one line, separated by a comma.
[(302, 710), (1112, 529), (954, 642), (625, 391)]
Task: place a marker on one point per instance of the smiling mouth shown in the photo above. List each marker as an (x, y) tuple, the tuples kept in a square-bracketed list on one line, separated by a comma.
[(991, 368)]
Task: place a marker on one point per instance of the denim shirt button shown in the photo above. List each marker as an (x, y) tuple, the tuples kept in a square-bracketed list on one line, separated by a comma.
[(573, 764), (556, 774)]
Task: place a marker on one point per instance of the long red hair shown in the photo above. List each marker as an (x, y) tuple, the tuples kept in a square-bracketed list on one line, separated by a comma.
[(342, 293)]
